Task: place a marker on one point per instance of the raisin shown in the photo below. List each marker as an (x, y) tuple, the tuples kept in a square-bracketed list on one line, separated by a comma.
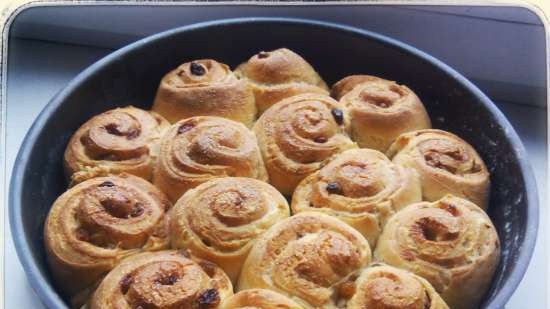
[(170, 280), (209, 299), (132, 134), (428, 302), (333, 188), (320, 139), (450, 208), (185, 127), (125, 283), (197, 69), (107, 184), (137, 211), (209, 268), (338, 115), (263, 55), (112, 128)]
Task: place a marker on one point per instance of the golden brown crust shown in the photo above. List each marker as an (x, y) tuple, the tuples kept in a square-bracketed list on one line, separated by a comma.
[(380, 110), (95, 224), (385, 287), (204, 88), (446, 164), (163, 280), (361, 187), (305, 257), (451, 243), (279, 74), (297, 135), (197, 149), (119, 140), (221, 219), (259, 299)]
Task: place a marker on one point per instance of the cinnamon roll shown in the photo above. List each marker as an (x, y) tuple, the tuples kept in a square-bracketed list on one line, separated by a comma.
[(451, 243), (297, 135), (197, 149), (163, 280), (204, 88), (380, 110), (279, 74), (385, 287), (360, 187), (220, 219), (446, 164), (259, 299), (306, 257), (119, 140), (97, 223)]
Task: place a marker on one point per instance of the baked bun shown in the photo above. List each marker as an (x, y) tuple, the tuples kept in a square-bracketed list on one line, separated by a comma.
[(385, 287), (305, 257), (197, 149), (279, 74), (163, 280), (204, 88), (259, 299), (297, 135), (220, 219), (119, 140), (451, 243), (380, 110), (361, 187), (446, 164), (95, 224)]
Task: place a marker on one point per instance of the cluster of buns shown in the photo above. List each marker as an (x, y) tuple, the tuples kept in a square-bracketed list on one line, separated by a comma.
[(263, 188)]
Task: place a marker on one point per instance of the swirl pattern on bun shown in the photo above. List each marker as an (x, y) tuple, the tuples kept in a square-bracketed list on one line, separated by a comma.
[(446, 163), (95, 224), (451, 243), (197, 149), (163, 280), (386, 287), (305, 257), (380, 110), (119, 140), (297, 135), (221, 219), (361, 187)]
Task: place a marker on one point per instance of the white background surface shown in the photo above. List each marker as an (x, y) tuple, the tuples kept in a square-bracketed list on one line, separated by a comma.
[(38, 69)]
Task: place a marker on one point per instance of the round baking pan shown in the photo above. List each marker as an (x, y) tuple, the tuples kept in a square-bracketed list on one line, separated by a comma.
[(131, 75)]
